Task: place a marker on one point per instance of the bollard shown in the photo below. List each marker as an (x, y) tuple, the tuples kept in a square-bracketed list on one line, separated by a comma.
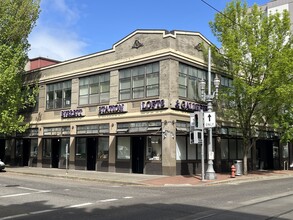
[(233, 171)]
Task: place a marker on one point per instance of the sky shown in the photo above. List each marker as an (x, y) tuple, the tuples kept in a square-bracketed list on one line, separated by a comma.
[(68, 29)]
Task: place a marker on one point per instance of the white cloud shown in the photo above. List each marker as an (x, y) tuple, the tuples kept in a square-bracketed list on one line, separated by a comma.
[(70, 13), (54, 36), (55, 44)]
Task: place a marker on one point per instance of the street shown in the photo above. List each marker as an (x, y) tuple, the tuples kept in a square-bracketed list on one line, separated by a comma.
[(34, 197)]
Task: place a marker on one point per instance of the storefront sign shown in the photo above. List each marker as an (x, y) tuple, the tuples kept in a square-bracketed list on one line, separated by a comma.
[(112, 109), (152, 105), (189, 106), (72, 113)]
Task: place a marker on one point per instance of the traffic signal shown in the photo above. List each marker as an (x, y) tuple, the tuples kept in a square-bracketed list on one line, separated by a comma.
[(195, 137), (196, 121)]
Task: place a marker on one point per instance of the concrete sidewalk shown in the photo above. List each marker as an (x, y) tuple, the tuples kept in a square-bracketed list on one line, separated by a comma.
[(147, 180)]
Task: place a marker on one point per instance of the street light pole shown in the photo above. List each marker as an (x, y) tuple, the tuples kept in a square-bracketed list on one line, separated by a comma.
[(210, 173)]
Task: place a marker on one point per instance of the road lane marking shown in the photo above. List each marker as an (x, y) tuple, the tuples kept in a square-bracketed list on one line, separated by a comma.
[(266, 198), (56, 209), (80, 205), (108, 200), (42, 211), (31, 189), (14, 195), (14, 216)]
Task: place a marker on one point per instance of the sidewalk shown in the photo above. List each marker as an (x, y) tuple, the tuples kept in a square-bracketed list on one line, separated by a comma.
[(143, 179)]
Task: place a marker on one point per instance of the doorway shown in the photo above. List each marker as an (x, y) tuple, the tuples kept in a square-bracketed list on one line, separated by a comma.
[(55, 152), (138, 146), (91, 150), (26, 151), (266, 154), (2, 149)]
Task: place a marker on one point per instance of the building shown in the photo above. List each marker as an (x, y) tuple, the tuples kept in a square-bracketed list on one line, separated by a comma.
[(127, 109), (279, 6)]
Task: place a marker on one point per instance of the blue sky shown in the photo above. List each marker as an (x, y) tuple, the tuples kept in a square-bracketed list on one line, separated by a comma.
[(71, 28)]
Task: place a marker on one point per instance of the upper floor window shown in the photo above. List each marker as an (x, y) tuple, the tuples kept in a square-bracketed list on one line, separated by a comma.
[(59, 95), (139, 82), (94, 89), (189, 78), (226, 82)]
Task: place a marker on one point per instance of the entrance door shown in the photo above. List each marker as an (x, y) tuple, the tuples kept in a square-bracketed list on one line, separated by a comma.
[(55, 152), (26, 151), (265, 151), (91, 150), (2, 149), (138, 146), (290, 156)]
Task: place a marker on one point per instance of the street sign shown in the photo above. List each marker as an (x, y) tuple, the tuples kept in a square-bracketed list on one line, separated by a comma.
[(209, 119)]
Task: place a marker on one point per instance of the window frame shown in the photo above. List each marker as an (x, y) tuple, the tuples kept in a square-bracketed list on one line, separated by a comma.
[(94, 96), (53, 91), (191, 76), (148, 78)]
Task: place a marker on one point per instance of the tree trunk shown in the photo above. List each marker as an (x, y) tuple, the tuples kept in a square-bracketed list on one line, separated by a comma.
[(245, 163)]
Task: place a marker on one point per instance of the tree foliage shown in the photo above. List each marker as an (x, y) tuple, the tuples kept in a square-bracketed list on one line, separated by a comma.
[(17, 19), (255, 48)]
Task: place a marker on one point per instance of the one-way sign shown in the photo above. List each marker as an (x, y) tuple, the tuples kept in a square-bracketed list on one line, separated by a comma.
[(209, 119)]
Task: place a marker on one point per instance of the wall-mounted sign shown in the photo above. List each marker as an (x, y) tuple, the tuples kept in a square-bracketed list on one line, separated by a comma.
[(112, 109), (189, 106), (153, 105), (72, 113)]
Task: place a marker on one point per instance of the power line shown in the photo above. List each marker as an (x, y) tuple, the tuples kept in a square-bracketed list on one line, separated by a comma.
[(223, 14)]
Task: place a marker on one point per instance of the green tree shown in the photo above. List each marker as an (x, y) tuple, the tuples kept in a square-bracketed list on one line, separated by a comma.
[(255, 54), (17, 19)]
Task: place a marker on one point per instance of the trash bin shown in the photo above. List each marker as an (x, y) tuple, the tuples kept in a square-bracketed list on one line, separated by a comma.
[(239, 167)]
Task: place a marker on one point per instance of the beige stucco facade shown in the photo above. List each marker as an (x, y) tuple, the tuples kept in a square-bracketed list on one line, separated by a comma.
[(167, 48)]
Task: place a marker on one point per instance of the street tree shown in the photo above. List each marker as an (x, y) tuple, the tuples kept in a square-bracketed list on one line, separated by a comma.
[(256, 50), (17, 19)]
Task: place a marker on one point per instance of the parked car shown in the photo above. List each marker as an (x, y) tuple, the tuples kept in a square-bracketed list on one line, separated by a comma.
[(2, 165)]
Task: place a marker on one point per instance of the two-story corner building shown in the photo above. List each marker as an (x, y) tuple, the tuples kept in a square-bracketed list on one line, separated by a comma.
[(127, 109)]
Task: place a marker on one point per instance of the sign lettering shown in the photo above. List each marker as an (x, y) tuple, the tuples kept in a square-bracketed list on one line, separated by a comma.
[(72, 113), (190, 106), (152, 105), (112, 109)]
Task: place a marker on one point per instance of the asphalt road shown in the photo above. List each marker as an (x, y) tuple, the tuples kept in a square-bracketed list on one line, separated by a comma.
[(33, 197)]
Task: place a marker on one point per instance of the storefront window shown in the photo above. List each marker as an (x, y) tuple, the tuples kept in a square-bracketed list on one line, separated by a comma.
[(285, 151), (19, 148), (192, 151), (240, 149), (64, 145), (199, 149), (180, 148), (232, 149), (224, 149), (80, 148), (123, 148), (34, 148), (275, 151), (154, 148), (47, 149), (103, 148)]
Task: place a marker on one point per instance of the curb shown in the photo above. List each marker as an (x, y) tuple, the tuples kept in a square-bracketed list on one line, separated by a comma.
[(78, 178)]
